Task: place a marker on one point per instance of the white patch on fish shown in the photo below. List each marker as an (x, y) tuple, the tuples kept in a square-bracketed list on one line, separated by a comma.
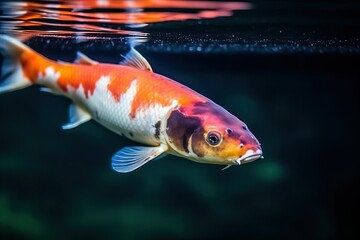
[(115, 115), (49, 78)]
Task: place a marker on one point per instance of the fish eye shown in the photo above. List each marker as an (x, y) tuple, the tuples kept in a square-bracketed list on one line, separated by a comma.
[(213, 138), (243, 127)]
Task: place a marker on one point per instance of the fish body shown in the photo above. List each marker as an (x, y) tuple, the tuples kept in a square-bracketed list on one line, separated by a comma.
[(133, 101)]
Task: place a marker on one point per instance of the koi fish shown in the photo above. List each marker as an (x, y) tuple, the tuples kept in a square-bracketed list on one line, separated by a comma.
[(133, 101)]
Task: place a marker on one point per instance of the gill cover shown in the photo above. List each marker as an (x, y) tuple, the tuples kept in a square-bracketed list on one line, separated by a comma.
[(180, 130)]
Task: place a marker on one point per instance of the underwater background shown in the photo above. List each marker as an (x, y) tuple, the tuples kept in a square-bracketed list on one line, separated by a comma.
[(288, 69)]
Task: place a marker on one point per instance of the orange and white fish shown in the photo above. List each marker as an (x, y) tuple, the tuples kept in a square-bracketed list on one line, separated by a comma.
[(133, 101)]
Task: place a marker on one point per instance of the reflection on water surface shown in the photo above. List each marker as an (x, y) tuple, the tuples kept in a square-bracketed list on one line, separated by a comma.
[(109, 16), (189, 26)]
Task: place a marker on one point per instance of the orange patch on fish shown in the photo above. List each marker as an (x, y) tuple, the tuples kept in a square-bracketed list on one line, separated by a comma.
[(116, 87), (147, 96), (74, 77), (33, 64)]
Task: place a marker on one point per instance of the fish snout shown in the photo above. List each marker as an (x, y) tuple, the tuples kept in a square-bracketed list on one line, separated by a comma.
[(250, 154)]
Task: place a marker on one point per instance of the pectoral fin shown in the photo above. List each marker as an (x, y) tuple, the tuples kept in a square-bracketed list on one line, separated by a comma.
[(77, 116), (131, 158)]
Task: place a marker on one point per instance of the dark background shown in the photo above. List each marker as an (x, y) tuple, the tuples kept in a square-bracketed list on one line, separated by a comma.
[(302, 106), (303, 109)]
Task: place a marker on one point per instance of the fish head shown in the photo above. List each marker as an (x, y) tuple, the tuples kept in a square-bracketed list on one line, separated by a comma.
[(205, 132)]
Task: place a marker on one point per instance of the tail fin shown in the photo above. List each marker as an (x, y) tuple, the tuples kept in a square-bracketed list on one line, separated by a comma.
[(12, 77)]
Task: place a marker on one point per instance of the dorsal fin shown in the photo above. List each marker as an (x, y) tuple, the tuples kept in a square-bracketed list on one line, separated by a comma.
[(83, 59), (136, 60)]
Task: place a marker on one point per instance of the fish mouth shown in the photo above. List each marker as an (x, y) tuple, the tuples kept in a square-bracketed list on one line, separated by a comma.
[(249, 156)]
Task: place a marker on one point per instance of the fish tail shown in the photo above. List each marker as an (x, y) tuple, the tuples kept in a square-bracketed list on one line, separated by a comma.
[(11, 75)]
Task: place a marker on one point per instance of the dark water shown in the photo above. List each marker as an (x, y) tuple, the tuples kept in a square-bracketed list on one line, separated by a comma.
[(289, 70)]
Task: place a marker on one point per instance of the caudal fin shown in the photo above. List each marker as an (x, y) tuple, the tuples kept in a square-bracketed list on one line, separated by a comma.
[(12, 77)]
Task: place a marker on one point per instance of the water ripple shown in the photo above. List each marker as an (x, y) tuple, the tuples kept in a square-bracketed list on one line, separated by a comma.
[(104, 17), (185, 25)]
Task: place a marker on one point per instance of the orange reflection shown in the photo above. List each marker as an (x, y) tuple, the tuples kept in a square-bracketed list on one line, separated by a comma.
[(104, 16)]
